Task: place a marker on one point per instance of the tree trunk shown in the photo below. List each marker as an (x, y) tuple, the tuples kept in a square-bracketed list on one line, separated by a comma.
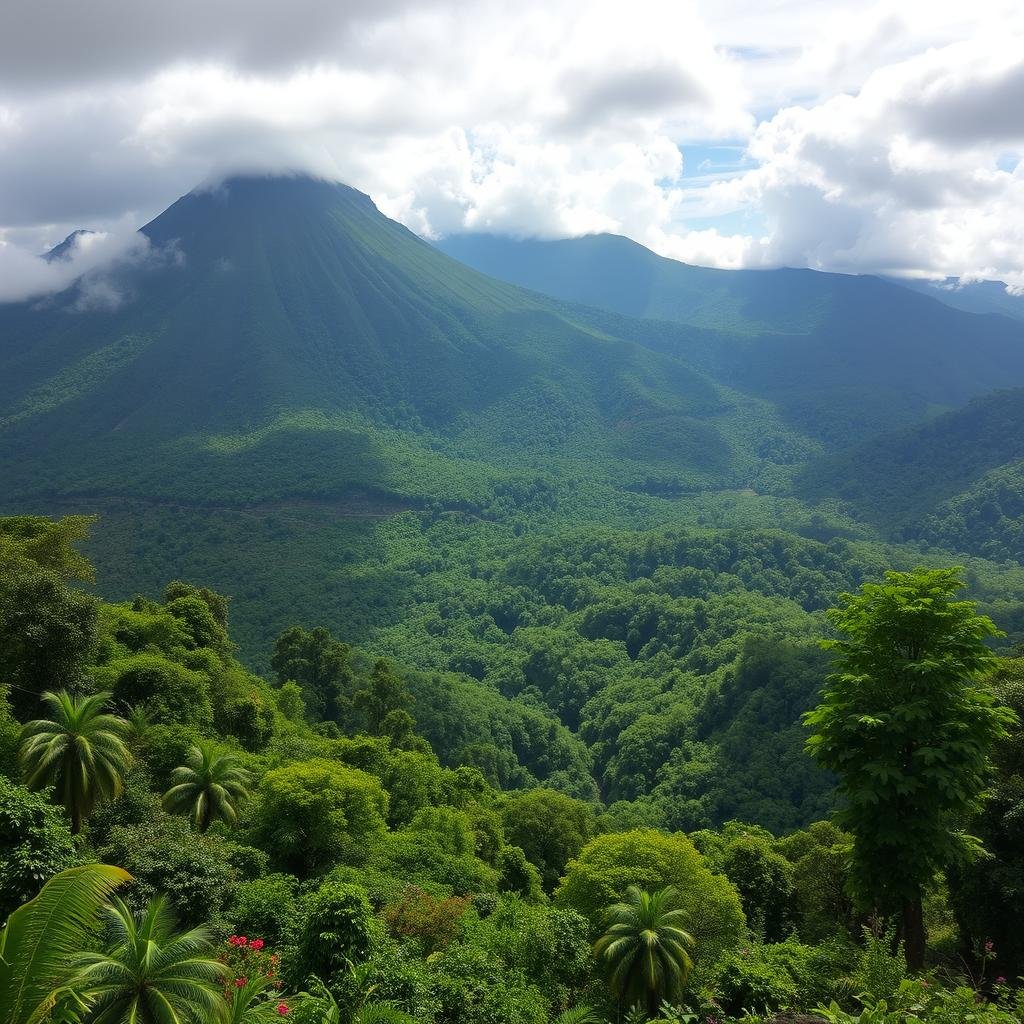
[(913, 934)]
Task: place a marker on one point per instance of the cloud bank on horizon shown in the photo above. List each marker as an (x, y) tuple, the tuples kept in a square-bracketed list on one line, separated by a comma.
[(838, 135)]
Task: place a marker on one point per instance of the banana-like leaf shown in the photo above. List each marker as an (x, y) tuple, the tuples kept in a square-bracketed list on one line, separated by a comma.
[(41, 937)]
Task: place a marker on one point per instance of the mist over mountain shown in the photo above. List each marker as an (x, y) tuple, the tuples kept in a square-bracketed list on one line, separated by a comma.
[(972, 296)]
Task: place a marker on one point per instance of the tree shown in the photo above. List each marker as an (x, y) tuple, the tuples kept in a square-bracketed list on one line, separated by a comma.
[(81, 752), (151, 974), (645, 947), (651, 860), (550, 828), (314, 814), (764, 880), (335, 929), (207, 787), (35, 844), (166, 855), (169, 692), (39, 939), (319, 664), (47, 629), (381, 697), (987, 895), (907, 729)]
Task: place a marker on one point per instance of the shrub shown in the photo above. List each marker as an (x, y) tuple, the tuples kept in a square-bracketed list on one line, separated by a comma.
[(166, 856), (35, 843), (314, 814), (434, 922), (764, 880), (551, 829), (335, 930), (266, 907)]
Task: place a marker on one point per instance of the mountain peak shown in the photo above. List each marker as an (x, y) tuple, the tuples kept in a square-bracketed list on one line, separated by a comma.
[(63, 251)]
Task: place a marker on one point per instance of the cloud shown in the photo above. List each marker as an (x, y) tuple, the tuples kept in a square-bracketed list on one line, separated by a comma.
[(910, 175), (882, 137), (92, 263)]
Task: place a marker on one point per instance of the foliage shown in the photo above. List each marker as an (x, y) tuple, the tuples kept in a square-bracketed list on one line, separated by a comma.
[(317, 813), (922, 1000), (988, 894), (319, 664), (773, 978), (335, 930), (35, 844), (252, 980), (764, 881), (882, 966), (908, 732), (267, 906), (517, 875), (47, 629), (417, 914), (165, 856), (80, 751), (209, 786), (150, 973), (608, 865), (820, 857), (550, 828), (39, 939)]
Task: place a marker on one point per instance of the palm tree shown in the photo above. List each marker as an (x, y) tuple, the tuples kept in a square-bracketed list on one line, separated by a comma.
[(41, 937), (645, 947), (151, 975), (80, 751), (208, 786)]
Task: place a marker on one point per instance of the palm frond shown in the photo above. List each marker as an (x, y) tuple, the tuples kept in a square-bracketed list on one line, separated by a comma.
[(41, 937)]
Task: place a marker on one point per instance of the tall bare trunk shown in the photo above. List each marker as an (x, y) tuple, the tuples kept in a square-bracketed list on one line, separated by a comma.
[(913, 933)]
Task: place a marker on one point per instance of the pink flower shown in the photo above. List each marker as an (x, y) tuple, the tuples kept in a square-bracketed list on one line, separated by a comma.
[(239, 982), (282, 1009), (256, 944), (242, 940), (988, 946), (1000, 980)]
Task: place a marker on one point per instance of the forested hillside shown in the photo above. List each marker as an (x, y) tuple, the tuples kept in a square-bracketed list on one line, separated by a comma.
[(955, 482), (353, 839)]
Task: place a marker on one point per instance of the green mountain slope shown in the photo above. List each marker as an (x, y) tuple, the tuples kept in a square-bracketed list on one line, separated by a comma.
[(284, 339), (842, 357), (956, 481)]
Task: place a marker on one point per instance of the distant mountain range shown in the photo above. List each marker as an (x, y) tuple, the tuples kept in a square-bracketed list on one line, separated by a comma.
[(842, 357), (284, 366), (972, 296)]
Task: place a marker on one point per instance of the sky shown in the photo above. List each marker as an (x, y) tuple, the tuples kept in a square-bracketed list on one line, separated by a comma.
[(847, 136)]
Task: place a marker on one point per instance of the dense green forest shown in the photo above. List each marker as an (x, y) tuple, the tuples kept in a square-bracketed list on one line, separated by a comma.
[(357, 839)]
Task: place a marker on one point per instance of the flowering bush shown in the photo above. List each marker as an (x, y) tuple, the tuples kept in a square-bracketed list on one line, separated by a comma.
[(251, 977)]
